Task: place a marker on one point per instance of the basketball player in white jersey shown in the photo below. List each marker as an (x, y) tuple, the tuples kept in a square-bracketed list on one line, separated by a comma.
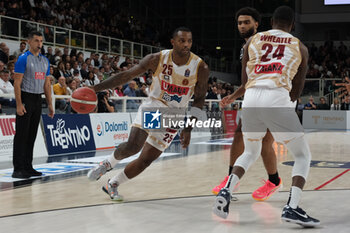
[(177, 75), (248, 20), (272, 61)]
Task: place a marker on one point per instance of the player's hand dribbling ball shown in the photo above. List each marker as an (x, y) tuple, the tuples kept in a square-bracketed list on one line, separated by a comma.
[(84, 100)]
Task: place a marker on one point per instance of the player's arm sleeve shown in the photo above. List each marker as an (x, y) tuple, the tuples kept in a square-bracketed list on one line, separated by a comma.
[(21, 64)]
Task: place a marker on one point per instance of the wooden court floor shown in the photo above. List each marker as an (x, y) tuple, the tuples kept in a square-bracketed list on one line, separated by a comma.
[(174, 195)]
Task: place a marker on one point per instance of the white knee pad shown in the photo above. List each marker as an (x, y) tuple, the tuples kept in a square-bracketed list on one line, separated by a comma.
[(252, 150), (302, 156)]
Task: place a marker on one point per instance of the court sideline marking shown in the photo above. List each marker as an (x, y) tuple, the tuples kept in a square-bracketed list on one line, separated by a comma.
[(334, 178)]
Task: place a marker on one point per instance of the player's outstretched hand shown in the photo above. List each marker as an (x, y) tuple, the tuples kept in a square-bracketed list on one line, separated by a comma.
[(227, 100), (185, 137)]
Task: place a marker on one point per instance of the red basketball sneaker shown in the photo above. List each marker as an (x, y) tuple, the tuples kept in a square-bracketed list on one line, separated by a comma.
[(265, 192), (217, 189)]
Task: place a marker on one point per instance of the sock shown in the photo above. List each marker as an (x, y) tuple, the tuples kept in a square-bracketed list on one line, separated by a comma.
[(294, 197), (112, 160), (119, 179), (231, 182), (230, 170), (274, 178)]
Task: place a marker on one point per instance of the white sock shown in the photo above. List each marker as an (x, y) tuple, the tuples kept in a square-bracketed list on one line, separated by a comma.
[(231, 182), (111, 159), (294, 197), (119, 179)]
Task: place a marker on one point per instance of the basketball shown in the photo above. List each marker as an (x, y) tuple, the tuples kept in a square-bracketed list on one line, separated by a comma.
[(84, 100)]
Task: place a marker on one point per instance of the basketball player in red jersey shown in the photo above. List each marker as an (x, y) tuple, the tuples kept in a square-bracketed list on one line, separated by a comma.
[(177, 75), (248, 20)]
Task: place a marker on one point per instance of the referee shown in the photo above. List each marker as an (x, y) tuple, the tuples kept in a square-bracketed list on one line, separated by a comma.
[(30, 81)]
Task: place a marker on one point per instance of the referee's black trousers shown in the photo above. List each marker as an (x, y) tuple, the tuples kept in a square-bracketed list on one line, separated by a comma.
[(26, 130)]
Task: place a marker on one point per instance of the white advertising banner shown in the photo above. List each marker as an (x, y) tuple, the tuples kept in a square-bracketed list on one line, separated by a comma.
[(326, 119), (110, 129), (7, 133)]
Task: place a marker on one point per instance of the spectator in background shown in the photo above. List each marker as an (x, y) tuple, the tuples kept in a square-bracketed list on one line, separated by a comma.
[(72, 86), (115, 66), (52, 77), (336, 104), (96, 71), (75, 66), (73, 53), (119, 91), (218, 93), (57, 56), (11, 69), (5, 84), (50, 56), (130, 91), (6, 88), (67, 71), (84, 71), (323, 105), (104, 105), (99, 77), (212, 93), (142, 92), (60, 71), (2, 66), (80, 58), (311, 104), (346, 104), (96, 60), (90, 81), (60, 88), (300, 108), (21, 50), (126, 63), (76, 74), (65, 54), (223, 93), (78, 82), (4, 53), (118, 104)]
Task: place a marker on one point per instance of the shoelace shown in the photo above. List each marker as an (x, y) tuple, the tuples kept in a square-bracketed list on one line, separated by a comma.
[(224, 180), (300, 210), (263, 188)]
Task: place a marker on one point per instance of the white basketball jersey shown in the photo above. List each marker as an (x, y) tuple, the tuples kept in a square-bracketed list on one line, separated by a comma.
[(274, 59), (174, 85)]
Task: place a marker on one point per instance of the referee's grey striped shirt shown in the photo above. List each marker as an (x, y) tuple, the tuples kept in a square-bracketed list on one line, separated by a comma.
[(34, 70)]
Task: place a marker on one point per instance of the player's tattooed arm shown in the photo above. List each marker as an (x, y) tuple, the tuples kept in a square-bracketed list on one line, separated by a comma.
[(150, 62), (299, 79)]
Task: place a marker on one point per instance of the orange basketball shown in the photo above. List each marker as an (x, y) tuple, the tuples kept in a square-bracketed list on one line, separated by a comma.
[(84, 100)]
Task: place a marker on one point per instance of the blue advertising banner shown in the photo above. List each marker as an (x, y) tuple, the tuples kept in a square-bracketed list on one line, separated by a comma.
[(67, 133)]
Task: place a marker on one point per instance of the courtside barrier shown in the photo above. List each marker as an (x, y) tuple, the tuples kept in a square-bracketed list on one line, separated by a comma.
[(110, 129), (230, 119), (7, 133), (68, 133), (326, 119)]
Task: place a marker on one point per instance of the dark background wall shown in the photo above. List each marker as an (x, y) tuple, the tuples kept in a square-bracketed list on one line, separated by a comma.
[(213, 22)]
